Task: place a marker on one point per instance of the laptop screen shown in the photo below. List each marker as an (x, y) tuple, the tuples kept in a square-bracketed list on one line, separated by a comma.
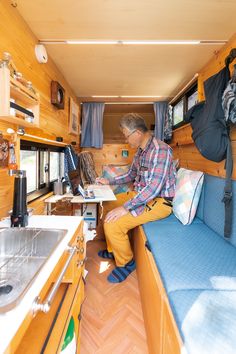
[(75, 181)]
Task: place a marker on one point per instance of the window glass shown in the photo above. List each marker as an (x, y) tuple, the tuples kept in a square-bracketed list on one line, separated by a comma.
[(28, 162), (183, 104), (178, 112), (40, 161), (192, 100), (43, 167), (54, 166)]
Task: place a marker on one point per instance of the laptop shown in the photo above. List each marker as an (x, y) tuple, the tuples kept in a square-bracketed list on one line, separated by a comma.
[(76, 185)]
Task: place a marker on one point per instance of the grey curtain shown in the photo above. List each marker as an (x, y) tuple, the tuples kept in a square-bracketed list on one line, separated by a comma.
[(92, 119), (160, 109)]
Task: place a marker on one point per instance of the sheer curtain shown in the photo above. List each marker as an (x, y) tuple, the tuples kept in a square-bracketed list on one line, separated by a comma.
[(160, 109), (92, 119)]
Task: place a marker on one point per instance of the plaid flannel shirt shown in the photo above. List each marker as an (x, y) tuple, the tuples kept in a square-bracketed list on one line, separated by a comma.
[(152, 173)]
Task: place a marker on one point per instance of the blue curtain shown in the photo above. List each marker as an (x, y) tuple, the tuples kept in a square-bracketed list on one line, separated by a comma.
[(92, 119), (160, 109)]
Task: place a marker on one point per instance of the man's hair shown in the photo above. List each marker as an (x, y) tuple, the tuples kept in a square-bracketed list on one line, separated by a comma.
[(133, 121)]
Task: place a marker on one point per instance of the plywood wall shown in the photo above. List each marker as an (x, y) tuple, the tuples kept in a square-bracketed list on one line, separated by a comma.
[(113, 114), (17, 39), (114, 141), (182, 143), (110, 154)]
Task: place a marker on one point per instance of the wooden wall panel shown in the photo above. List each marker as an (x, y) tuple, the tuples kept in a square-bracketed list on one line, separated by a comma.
[(17, 39), (110, 154), (111, 131), (182, 143), (114, 141)]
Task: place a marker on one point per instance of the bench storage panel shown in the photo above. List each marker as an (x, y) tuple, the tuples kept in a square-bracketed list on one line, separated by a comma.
[(155, 304)]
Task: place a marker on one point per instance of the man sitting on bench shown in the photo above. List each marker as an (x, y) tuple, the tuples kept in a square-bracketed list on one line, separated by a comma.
[(153, 175)]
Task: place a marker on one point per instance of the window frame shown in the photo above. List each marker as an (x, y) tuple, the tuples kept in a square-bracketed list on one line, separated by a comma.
[(192, 89), (41, 189)]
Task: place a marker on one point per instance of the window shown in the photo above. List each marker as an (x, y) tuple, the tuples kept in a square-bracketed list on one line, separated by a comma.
[(178, 112), (192, 98), (44, 164), (182, 105)]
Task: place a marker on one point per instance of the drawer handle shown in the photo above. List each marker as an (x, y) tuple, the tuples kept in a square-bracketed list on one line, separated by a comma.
[(46, 305)]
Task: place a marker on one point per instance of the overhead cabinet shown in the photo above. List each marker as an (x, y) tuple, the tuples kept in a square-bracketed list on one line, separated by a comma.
[(19, 104)]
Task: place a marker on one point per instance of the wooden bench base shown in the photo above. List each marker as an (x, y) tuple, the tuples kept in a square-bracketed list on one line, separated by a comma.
[(162, 333)]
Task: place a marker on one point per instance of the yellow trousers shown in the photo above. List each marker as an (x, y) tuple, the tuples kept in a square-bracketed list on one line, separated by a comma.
[(116, 232)]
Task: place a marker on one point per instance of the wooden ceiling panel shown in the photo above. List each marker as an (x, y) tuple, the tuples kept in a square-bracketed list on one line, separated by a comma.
[(126, 70), (129, 70), (133, 19)]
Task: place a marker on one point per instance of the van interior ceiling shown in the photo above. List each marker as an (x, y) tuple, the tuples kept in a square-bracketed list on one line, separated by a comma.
[(69, 71)]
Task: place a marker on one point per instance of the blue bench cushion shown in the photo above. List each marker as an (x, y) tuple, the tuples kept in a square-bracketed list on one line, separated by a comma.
[(191, 256), (173, 219), (213, 208), (206, 320)]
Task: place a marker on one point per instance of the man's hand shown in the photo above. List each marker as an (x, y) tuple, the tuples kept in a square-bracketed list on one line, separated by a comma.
[(115, 214), (101, 180)]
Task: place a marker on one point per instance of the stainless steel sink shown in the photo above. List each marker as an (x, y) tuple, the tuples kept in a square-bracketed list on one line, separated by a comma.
[(23, 252)]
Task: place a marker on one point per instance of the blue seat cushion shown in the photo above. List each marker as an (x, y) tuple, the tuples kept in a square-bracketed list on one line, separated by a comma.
[(206, 320), (214, 213), (173, 219), (191, 256)]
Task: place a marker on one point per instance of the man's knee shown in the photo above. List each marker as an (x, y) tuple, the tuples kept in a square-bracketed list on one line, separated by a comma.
[(110, 228)]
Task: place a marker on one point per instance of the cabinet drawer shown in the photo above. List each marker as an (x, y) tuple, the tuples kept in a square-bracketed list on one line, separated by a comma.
[(46, 332), (78, 259)]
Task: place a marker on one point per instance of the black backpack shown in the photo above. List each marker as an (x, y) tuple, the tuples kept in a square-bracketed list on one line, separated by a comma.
[(211, 133)]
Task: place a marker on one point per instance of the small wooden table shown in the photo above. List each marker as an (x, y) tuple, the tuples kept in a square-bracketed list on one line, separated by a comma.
[(104, 194)]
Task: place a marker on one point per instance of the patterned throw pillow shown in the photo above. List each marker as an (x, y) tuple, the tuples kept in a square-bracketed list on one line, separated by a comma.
[(187, 194), (111, 171)]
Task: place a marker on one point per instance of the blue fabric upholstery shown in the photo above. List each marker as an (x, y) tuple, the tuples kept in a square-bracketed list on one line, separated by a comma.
[(200, 209), (191, 257), (171, 219), (214, 208), (206, 320), (198, 269)]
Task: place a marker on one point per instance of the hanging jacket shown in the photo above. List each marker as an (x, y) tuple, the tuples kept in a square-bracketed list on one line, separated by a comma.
[(229, 99), (210, 132)]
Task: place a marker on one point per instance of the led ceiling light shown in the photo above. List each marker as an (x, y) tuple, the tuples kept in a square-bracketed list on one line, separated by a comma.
[(91, 42), (132, 42), (151, 96), (104, 96)]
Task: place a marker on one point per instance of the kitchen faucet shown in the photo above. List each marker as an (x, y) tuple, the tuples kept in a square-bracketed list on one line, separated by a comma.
[(19, 216)]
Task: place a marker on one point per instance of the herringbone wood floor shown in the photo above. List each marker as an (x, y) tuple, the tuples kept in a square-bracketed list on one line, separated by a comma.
[(112, 320)]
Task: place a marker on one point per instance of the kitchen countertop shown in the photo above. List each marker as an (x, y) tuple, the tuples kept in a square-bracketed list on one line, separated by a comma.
[(10, 321)]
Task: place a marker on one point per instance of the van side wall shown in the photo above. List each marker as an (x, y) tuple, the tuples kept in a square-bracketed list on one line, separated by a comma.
[(17, 39), (182, 143)]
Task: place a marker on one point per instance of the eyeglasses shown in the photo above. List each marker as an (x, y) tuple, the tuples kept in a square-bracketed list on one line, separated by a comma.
[(127, 136)]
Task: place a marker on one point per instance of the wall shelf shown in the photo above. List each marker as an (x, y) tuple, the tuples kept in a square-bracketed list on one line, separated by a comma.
[(18, 120), (28, 99)]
